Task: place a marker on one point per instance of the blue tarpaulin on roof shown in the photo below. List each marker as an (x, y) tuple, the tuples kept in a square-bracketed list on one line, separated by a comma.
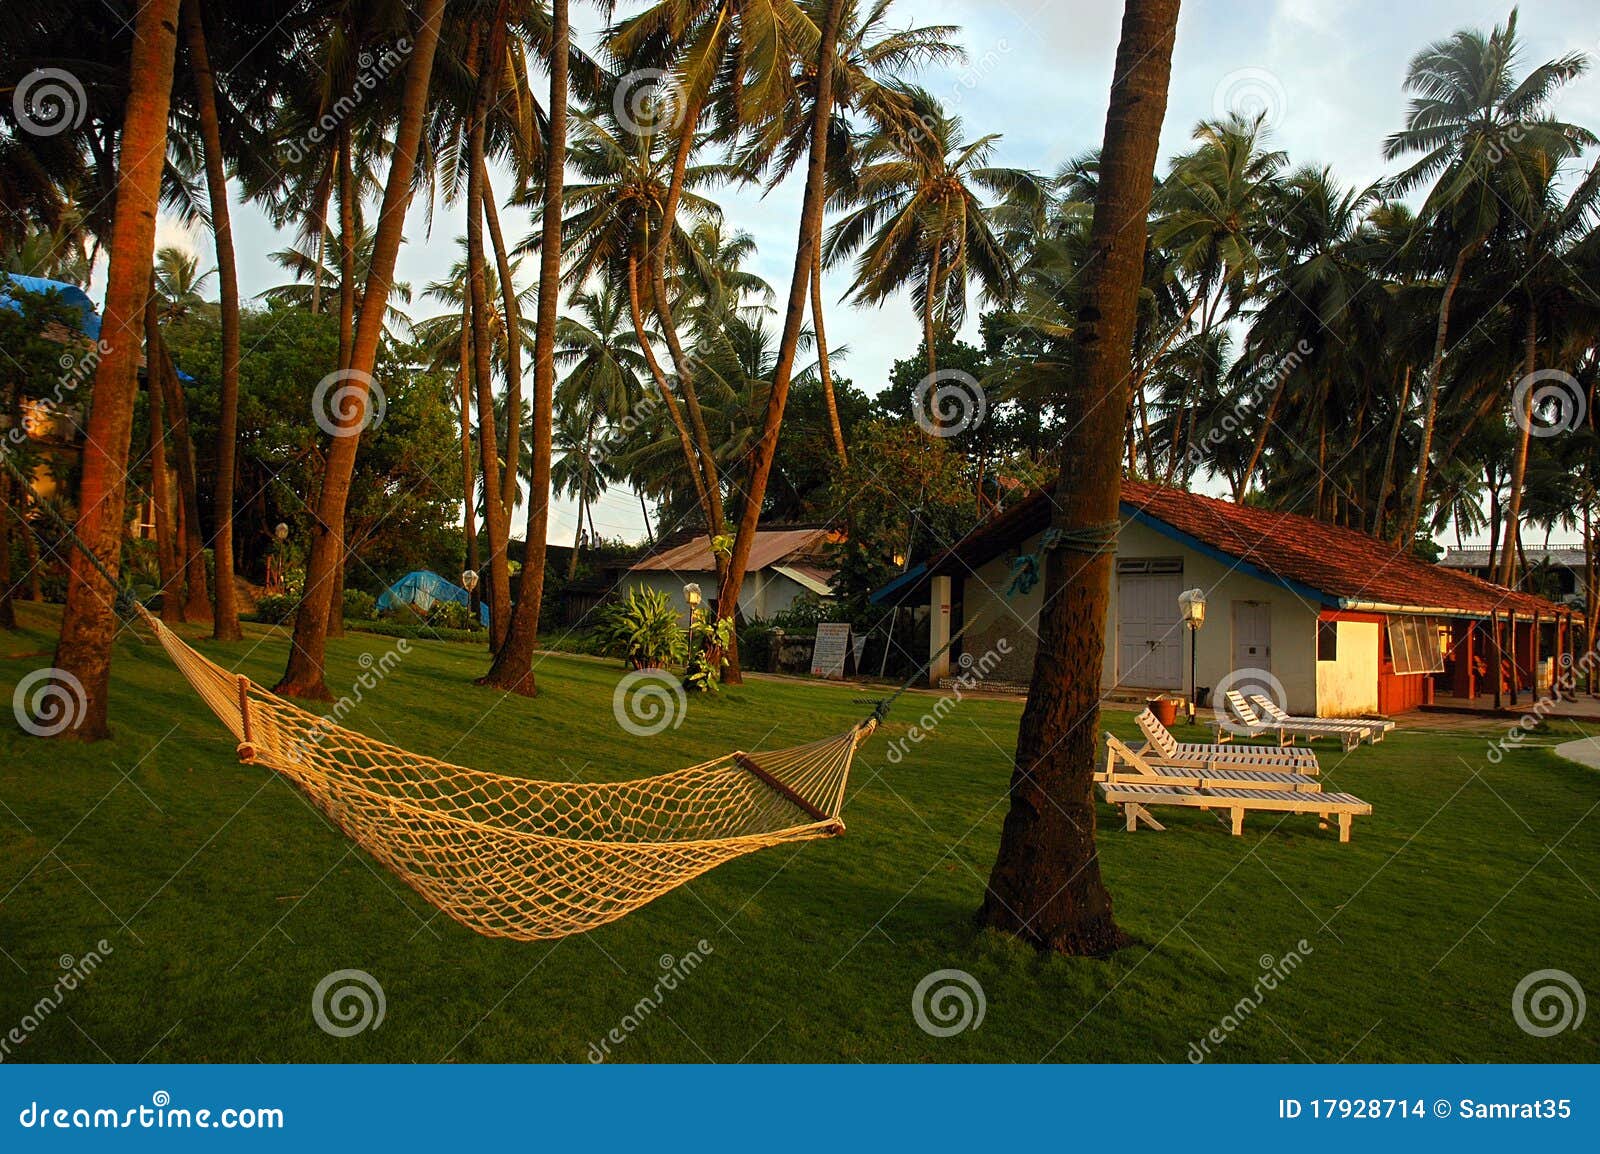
[(421, 588)]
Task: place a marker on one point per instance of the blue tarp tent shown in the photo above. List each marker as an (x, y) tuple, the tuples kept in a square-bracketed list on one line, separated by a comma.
[(422, 588), (70, 294)]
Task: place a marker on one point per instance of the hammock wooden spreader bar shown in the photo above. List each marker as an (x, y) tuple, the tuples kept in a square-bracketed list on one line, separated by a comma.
[(515, 858)]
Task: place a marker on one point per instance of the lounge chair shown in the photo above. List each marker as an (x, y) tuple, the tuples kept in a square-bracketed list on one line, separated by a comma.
[(1135, 798), (1125, 767), (1242, 720), (1197, 755), (1372, 728)]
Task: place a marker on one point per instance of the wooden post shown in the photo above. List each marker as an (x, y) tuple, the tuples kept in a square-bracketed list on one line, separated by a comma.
[(939, 629), (1499, 656), (1533, 660), (1511, 634)]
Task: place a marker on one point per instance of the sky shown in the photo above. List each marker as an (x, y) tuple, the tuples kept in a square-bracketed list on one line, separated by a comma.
[(1328, 73)]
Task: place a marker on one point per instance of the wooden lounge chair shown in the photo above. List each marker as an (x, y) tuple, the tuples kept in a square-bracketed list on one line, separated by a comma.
[(1135, 798), (1372, 728), (1170, 751), (1125, 767), (1242, 720)]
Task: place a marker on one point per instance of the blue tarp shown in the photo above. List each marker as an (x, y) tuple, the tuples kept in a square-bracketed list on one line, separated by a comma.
[(70, 294), (422, 588)]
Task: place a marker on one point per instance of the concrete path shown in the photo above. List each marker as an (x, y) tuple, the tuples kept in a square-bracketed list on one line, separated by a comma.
[(1585, 751)]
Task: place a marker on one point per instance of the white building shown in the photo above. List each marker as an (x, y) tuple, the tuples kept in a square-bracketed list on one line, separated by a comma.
[(1345, 623), (784, 564)]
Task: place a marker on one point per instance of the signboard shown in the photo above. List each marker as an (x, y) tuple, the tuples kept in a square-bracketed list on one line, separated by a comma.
[(833, 643)]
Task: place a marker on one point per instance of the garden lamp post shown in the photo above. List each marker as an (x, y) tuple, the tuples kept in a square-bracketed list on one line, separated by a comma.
[(280, 536), (691, 596), (1192, 608)]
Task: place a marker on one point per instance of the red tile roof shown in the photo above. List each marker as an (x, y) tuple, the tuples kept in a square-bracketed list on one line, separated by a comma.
[(1351, 569)]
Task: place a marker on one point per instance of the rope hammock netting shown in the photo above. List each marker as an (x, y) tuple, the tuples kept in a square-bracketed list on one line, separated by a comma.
[(515, 858)]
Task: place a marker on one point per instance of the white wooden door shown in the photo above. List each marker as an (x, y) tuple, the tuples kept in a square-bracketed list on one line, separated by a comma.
[(1252, 635), (1149, 634)]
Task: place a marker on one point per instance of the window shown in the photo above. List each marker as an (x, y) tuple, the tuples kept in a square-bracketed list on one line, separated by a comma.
[(1414, 645), (1327, 641), (1149, 564)]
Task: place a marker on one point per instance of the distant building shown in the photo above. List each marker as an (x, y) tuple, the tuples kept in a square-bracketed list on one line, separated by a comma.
[(1556, 572), (1344, 623), (785, 563)]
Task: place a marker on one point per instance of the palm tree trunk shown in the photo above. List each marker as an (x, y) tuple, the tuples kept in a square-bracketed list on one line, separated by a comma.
[(347, 248), (1519, 463), (644, 511), (196, 606), (660, 378), (304, 675), (1045, 886), (8, 609), (160, 480), (513, 663), (495, 520), (1380, 507), (225, 625), (811, 215), (929, 337), (691, 403), (1413, 514), (88, 625), (1261, 437), (469, 497), (513, 321), (823, 367)]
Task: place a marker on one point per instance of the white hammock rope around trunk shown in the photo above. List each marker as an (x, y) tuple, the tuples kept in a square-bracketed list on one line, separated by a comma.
[(515, 858)]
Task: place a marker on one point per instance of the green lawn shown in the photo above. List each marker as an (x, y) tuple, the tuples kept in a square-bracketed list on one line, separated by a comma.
[(225, 898)]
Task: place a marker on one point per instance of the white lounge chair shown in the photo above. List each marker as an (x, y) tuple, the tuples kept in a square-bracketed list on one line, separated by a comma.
[(1135, 798), (1242, 720), (1199, 755), (1125, 767), (1372, 728)]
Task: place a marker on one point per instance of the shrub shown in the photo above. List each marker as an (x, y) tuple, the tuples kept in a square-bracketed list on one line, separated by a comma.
[(453, 615), (276, 608), (359, 605), (643, 630)]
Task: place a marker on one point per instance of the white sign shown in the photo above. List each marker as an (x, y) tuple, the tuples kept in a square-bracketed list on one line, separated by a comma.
[(833, 643)]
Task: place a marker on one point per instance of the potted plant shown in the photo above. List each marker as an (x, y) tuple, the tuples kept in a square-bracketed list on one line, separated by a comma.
[(1165, 708)]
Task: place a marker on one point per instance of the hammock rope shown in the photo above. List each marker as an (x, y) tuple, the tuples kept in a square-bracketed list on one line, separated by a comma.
[(517, 858)]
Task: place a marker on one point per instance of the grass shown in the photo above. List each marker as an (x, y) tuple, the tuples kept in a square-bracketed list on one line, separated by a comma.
[(226, 898)]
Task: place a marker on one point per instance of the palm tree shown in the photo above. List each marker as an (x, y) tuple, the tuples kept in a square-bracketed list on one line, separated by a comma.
[(1480, 132), (304, 675), (88, 624), (1046, 886), (226, 618), (1553, 292), (916, 216), (513, 664), (1210, 215), (812, 205)]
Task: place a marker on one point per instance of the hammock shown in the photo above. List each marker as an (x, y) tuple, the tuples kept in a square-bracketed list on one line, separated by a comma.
[(514, 858)]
